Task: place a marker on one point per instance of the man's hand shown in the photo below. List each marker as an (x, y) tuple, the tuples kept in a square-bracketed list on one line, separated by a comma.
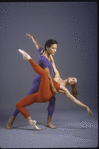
[(28, 35)]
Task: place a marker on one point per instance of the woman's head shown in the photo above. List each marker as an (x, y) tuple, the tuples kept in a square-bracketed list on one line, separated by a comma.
[(73, 82), (51, 46)]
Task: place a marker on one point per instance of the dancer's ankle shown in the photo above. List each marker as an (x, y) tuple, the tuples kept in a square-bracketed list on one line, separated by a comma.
[(33, 123)]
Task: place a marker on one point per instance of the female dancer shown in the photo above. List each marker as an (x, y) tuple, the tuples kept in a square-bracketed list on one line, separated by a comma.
[(70, 81), (44, 62), (45, 92)]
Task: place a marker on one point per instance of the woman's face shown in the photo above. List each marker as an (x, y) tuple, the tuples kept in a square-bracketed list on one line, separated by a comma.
[(72, 80), (52, 49)]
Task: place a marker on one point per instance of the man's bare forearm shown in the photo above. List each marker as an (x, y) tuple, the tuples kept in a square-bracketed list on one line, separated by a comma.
[(52, 86), (37, 45), (51, 81), (36, 42)]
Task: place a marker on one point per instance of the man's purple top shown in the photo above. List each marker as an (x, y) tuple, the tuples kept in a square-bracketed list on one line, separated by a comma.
[(44, 63)]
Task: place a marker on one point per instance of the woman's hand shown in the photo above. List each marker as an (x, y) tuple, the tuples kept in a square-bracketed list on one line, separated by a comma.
[(28, 35), (89, 111)]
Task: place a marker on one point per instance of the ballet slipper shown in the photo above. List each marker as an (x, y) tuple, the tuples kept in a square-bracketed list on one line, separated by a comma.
[(49, 123), (25, 55), (10, 122), (33, 123)]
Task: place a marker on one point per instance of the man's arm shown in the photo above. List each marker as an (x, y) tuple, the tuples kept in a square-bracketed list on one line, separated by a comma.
[(56, 72), (37, 45), (51, 81)]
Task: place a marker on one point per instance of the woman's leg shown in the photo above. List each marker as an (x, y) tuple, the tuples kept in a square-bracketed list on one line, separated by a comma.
[(33, 90), (28, 100)]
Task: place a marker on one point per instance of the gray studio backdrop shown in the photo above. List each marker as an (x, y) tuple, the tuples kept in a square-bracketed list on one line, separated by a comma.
[(73, 25)]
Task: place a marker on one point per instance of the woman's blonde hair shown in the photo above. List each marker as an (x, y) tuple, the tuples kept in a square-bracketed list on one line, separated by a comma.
[(74, 91)]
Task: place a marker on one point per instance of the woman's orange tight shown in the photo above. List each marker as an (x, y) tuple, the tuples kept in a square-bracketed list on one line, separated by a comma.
[(44, 93)]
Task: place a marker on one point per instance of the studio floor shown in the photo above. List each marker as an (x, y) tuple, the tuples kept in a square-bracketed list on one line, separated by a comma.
[(73, 129)]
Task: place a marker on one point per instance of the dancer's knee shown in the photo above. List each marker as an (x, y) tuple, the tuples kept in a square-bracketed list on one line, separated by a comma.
[(45, 73), (17, 106)]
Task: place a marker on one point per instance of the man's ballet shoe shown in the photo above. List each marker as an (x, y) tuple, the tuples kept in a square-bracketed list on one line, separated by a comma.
[(49, 123), (10, 122)]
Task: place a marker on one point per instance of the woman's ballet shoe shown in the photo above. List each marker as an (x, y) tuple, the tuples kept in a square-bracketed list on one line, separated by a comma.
[(25, 55), (35, 126), (33, 123)]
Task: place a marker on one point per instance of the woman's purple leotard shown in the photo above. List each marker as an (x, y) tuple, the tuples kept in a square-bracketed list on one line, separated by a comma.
[(44, 63)]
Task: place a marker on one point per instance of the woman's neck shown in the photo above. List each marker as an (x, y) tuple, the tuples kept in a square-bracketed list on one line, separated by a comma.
[(67, 82)]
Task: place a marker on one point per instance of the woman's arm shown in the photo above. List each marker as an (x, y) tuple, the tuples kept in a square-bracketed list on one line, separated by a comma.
[(51, 81), (37, 45), (56, 72), (65, 91)]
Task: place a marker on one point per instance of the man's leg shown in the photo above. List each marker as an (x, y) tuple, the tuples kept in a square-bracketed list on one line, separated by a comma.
[(51, 108)]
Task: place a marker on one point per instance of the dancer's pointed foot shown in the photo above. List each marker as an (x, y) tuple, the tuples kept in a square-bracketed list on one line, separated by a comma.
[(35, 126), (25, 55), (33, 123)]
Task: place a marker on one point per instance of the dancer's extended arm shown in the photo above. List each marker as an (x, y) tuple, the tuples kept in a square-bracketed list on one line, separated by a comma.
[(66, 92), (56, 72), (37, 45), (51, 81)]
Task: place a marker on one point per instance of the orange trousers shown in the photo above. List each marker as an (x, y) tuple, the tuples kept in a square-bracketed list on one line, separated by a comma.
[(43, 95)]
